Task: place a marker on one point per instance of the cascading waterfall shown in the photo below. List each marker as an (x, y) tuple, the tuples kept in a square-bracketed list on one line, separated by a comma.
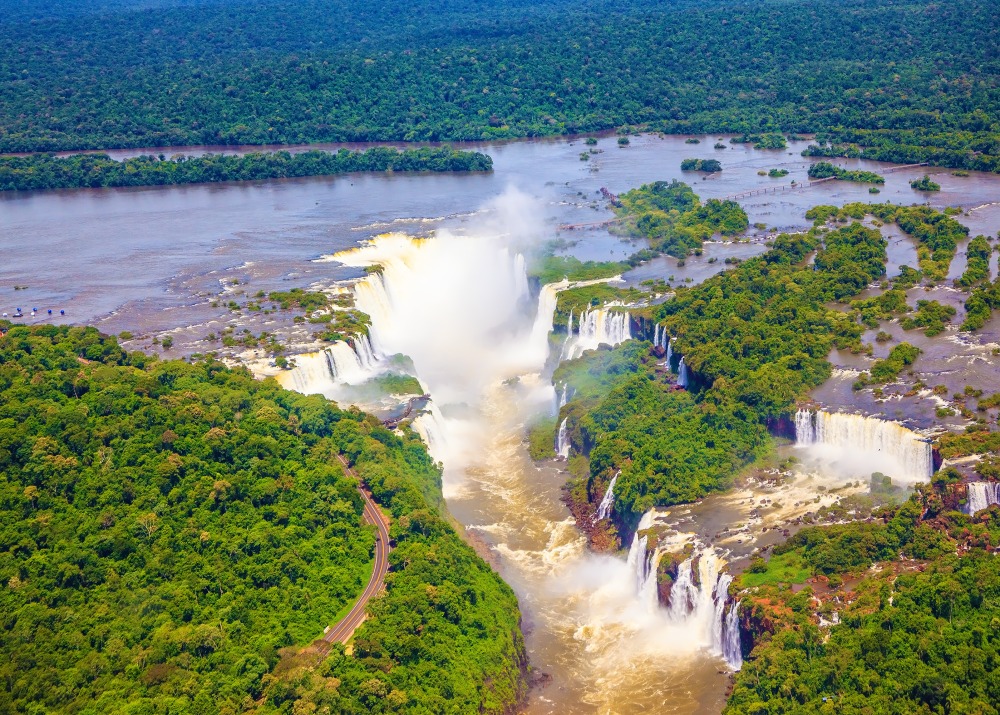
[(562, 440), (670, 352), (319, 373), (699, 596), (982, 495), (608, 500), (682, 374), (599, 326), (873, 444), (732, 648)]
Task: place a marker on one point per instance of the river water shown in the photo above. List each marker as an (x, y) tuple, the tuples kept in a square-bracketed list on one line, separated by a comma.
[(158, 259)]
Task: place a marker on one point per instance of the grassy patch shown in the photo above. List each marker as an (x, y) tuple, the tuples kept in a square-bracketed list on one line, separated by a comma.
[(782, 568)]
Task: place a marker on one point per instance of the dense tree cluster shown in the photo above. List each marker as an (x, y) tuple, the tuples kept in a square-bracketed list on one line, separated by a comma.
[(261, 72), (826, 170), (674, 220), (913, 636), (45, 171), (174, 533)]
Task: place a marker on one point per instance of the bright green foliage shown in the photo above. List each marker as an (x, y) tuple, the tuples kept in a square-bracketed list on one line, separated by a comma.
[(872, 311), (930, 315), (552, 269), (977, 267), (981, 304), (925, 184), (671, 216), (887, 370), (228, 73), (299, 298), (709, 166), (923, 642), (826, 170), (761, 333), (777, 173), (44, 171), (172, 531)]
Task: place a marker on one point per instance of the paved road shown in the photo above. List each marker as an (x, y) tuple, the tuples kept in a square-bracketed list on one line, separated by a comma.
[(342, 631)]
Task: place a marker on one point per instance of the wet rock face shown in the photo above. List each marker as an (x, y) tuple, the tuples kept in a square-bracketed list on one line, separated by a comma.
[(755, 623), (666, 575)]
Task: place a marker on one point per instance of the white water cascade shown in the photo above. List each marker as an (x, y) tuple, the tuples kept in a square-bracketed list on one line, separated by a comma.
[(599, 326), (562, 440), (608, 500), (682, 374), (699, 597), (865, 444), (982, 495), (670, 352), (319, 373)]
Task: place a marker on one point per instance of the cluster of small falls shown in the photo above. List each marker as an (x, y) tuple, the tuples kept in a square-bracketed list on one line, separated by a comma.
[(342, 362), (699, 596), (982, 495), (596, 326)]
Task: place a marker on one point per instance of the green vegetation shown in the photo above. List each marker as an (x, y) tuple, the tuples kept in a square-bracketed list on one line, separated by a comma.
[(44, 171), (925, 184), (777, 173), (552, 269), (936, 232), (787, 567), (174, 533), (755, 339), (977, 267), (671, 216), (912, 638), (887, 370), (826, 170), (397, 384), (709, 166), (930, 315), (981, 304)]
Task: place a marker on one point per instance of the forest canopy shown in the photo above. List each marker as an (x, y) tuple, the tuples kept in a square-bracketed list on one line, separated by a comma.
[(174, 534)]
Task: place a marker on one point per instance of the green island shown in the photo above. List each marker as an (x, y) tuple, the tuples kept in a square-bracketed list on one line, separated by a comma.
[(925, 184), (177, 535), (674, 220), (45, 171), (826, 170), (709, 166)]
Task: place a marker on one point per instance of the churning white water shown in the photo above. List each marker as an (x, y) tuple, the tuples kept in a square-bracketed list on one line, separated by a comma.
[(856, 445), (320, 373), (598, 326)]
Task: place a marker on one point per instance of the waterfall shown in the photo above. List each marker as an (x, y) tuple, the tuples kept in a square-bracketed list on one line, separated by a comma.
[(699, 596), (732, 648), (656, 336), (562, 440), (600, 326), (982, 495), (682, 374), (670, 352), (608, 500), (319, 373), (866, 443)]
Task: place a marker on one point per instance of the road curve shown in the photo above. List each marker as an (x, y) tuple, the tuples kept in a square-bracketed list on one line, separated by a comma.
[(342, 631)]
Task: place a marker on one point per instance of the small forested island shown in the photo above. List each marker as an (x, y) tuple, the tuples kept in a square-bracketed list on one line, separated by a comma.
[(925, 184), (709, 166), (826, 170), (45, 171)]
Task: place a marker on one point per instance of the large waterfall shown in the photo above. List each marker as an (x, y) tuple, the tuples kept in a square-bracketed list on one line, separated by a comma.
[(982, 495), (598, 326), (699, 596), (865, 444), (318, 373)]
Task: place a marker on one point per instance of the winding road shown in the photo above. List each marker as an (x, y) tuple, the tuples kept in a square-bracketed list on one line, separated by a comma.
[(344, 629)]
